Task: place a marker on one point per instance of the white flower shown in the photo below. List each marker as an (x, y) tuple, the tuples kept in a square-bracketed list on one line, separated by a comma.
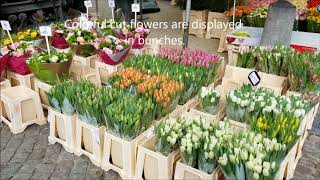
[(273, 165), (265, 172), (255, 176), (54, 59)]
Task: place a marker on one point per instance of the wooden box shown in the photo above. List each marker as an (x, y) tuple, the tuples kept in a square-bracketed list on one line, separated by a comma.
[(17, 79), (42, 89), (184, 171), (89, 141), (154, 165), (216, 18), (62, 130), (313, 116), (5, 84), (197, 18), (233, 51), (287, 167), (85, 61), (151, 49), (21, 107), (103, 70), (120, 155)]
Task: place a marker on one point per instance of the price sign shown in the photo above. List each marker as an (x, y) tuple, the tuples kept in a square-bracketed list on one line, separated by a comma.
[(254, 78), (5, 25), (111, 4), (135, 8), (87, 4), (45, 31)]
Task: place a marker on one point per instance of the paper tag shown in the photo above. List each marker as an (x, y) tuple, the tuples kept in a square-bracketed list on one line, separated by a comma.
[(87, 4), (111, 4), (45, 31), (95, 136), (254, 78), (135, 7), (5, 25)]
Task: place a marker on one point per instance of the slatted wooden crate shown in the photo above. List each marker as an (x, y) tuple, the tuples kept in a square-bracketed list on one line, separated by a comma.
[(85, 61), (121, 155), (233, 51), (184, 171), (103, 71), (21, 107), (42, 89), (17, 79), (62, 130), (197, 17), (154, 165), (5, 84), (89, 141), (216, 18)]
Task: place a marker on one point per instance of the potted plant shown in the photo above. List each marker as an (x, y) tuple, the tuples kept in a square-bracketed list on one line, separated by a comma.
[(111, 50), (50, 68)]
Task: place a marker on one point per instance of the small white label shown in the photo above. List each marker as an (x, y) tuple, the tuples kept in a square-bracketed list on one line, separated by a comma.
[(135, 7), (111, 4), (45, 31), (5, 25), (254, 78), (87, 4)]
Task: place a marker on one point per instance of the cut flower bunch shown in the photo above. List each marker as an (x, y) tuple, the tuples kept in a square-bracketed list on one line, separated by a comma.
[(27, 35), (209, 100), (81, 37), (110, 46), (191, 70)]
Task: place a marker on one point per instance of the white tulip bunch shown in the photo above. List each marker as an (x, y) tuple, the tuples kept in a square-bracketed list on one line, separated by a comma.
[(168, 133), (209, 100)]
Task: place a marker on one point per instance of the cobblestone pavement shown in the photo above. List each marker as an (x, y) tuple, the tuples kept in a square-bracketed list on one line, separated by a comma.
[(29, 156)]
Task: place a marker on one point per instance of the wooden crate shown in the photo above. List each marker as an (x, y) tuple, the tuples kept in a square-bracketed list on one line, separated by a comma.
[(151, 49), (17, 79), (216, 18), (5, 84), (89, 141), (298, 152), (154, 165), (21, 107), (233, 51), (287, 166), (85, 61), (42, 89), (184, 171), (103, 70), (313, 116), (197, 17), (120, 155), (62, 130), (240, 76)]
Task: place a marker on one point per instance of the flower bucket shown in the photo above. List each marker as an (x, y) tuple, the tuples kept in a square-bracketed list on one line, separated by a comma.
[(51, 73), (113, 59), (3, 62), (18, 64)]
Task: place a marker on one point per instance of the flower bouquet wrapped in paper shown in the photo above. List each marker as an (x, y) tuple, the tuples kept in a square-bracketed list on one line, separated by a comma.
[(58, 41), (51, 68), (18, 54), (111, 51), (3, 64)]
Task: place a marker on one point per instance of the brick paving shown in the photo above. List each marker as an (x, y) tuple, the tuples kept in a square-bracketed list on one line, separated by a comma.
[(29, 156)]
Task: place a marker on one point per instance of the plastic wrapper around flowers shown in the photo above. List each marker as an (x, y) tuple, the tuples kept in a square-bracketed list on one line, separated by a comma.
[(18, 64), (213, 109), (236, 113), (113, 59), (50, 73), (206, 165)]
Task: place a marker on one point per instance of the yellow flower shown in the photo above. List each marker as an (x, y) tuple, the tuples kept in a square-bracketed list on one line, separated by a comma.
[(33, 34), (6, 41), (27, 32), (21, 37)]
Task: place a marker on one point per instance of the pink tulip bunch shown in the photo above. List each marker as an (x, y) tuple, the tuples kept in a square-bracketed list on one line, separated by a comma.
[(189, 57)]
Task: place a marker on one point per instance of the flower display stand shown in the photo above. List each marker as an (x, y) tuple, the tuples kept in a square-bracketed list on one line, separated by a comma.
[(120, 155), (42, 89), (5, 84), (89, 141), (197, 17), (103, 71), (269, 81), (17, 79), (62, 130), (184, 171), (21, 107), (287, 166), (153, 165), (85, 61), (233, 51), (216, 18), (81, 66)]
